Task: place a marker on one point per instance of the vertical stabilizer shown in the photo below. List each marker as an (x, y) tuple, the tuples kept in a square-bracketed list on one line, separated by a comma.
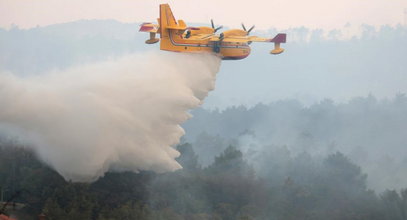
[(170, 31), (166, 19)]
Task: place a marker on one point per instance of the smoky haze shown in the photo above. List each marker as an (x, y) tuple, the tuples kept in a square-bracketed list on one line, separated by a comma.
[(123, 114), (314, 97), (317, 65), (371, 132)]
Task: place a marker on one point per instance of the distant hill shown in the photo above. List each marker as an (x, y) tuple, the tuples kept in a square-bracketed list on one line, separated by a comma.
[(32, 51), (315, 65)]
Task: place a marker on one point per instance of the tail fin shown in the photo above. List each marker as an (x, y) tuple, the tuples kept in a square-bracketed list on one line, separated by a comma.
[(279, 38), (170, 31), (166, 19)]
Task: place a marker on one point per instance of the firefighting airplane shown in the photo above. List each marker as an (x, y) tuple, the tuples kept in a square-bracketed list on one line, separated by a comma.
[(230, 45)]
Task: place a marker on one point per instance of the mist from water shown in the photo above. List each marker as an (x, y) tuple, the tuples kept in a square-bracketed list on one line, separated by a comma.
[(121, 115)]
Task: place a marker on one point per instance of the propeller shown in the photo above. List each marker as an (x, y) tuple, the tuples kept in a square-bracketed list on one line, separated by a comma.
[(248, 31), (213, 26), (221, 36)]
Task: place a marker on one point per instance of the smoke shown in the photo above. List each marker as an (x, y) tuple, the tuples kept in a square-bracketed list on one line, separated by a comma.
[(369, 131), (122, 114)]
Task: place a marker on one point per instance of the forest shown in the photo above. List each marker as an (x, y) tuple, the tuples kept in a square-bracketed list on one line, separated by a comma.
[(295, 187), (280, 161)]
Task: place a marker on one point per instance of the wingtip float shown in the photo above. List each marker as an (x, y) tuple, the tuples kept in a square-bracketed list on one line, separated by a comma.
[(178, 37)]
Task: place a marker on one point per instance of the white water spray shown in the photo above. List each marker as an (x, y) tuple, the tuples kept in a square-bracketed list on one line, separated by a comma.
[(117, 115)]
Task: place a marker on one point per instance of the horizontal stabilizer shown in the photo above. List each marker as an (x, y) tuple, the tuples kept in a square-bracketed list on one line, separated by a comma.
[(149, 27)]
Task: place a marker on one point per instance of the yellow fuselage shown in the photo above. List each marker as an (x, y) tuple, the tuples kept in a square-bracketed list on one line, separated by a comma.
[(178, 41)]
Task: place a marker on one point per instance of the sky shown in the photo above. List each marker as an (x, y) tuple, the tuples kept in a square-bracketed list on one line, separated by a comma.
[(325, 14)]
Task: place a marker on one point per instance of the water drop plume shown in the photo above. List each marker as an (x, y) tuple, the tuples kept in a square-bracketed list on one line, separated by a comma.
[(122, 114)]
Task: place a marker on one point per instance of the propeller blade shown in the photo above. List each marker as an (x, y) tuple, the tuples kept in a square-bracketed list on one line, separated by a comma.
[(250, 29), (221, 36), (244, 28), (218, 28), (213, 25)]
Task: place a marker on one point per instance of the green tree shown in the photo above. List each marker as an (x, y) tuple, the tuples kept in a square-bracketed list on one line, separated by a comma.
[(188, 159)]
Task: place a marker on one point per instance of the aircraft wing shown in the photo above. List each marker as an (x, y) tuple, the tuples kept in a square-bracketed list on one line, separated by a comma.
[(211, 37), (242, 39), (260, 39), (279, 38)]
